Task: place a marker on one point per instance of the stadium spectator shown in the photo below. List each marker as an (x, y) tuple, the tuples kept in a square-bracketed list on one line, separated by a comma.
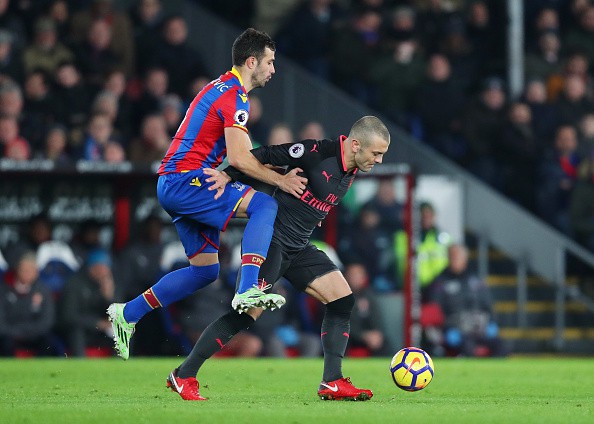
[(366, 322), (373, 246), (582, 37), (155, 88), (545, 61), (312, 130), (11, 65), (483, 37), (13, 23), (55, 145), (73, 99), (581, 204), (434, 18), (27, 311), (269, 16), (98, 134), (575, 64), (439, 103), (38, 111), (482, 127), (114, 152), (122, 39), (356, 43), (398, 72), (519, 150), (46, 52), (557, 177), (85, 297), (305, 34), (37, 230), (172, 111), (259, 130), (431, 251), (465, 301), (115, 83), (86, 239), (94, 56), (544, 116), (279, 134), (59, 12), (153, 142), (573, 102), (586, 135), (147, 17), (389, 209), (176, 56), (14, 145), (11, 99)]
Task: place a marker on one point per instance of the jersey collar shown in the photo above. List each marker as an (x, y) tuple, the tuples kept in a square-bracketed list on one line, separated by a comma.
[(237, 74), (341, 162)]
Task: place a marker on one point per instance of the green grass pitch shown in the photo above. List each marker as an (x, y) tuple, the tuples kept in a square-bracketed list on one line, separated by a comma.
[(111, 391)]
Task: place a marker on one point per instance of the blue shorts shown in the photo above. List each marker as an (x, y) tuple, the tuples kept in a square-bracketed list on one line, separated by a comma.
[(197, 216)]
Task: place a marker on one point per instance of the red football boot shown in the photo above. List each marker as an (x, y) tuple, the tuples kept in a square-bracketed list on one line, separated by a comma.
[(186, 387), (342, 389)]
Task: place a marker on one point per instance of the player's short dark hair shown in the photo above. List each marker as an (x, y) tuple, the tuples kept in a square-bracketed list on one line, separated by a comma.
[(251, 42), (368, 126)]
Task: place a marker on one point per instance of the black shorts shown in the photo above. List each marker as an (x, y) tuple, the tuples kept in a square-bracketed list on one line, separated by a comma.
[(300, 267)]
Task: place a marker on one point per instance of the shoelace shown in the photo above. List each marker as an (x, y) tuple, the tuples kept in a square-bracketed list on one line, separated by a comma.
[(263, 287)]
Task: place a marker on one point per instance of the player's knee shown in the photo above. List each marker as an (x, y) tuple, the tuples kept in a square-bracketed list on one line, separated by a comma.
[(262, 203), (342, 306), (203, 275)]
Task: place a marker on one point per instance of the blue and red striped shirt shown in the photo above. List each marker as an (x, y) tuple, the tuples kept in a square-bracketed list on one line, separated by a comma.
[(200, 139)]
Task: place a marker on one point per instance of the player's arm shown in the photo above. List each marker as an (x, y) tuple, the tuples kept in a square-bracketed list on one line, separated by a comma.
[(240, 157)]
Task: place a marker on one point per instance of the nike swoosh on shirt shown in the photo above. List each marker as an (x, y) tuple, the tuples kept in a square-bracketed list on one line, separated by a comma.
[(334, 389)]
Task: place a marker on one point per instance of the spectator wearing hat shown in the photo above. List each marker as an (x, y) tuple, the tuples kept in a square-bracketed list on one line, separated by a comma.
[(46, 52), (11, 65), (86, 296)]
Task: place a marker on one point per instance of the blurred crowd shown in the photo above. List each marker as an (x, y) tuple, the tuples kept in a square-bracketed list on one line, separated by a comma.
[(93, 80)]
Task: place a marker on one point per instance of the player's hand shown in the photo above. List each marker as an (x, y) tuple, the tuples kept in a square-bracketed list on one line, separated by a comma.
[(293, 183), (218, 180)]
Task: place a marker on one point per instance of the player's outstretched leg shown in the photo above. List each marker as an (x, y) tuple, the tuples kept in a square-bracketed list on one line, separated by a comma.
[(254, 246), (122, 330), (170, 288), (188, 388)]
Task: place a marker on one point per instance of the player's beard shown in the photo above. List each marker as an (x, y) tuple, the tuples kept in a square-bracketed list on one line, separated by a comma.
[(259, 79)]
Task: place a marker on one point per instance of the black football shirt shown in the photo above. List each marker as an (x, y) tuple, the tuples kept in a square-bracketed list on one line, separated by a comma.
[(322, 162)]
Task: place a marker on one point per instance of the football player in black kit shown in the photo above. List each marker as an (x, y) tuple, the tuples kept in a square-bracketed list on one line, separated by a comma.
[(330, 167)]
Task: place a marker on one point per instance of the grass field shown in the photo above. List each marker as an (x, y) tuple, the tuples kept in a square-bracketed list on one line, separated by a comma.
[(111, 391)]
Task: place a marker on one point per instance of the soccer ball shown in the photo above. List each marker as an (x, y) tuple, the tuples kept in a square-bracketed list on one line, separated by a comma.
[(412, 369)]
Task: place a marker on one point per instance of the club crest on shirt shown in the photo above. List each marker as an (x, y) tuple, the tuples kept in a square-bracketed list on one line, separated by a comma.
[(238, 186), (296, 150), (241, 117)]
